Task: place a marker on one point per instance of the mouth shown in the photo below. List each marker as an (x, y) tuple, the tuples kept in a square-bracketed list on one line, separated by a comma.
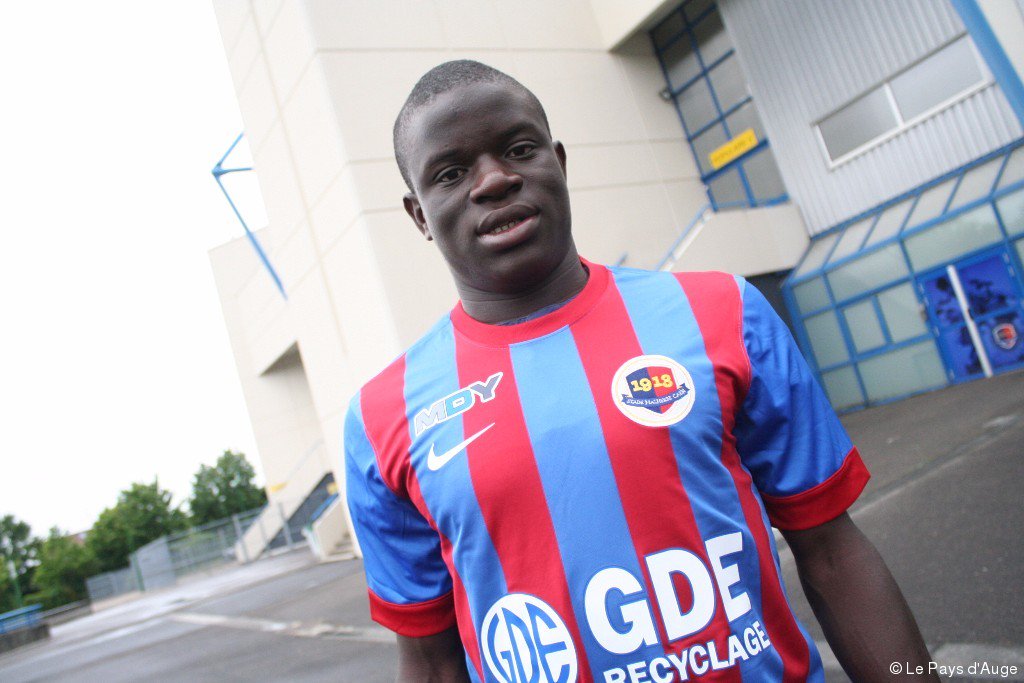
[(505, 227), (502, 224), (510, 233)]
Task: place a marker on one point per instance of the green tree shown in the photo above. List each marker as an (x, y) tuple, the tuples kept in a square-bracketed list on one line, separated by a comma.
[(224, 489), (17, 545), (64, 565), (143, 513), (7, 595)]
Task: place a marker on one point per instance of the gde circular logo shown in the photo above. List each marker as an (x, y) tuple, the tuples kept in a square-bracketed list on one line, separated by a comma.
[(526, 641), (654, 391)]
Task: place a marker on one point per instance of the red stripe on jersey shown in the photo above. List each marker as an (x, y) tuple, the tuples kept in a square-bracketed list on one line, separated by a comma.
[(384, 416), (654, 499), (383, 408), (508, 487), (718, 309)]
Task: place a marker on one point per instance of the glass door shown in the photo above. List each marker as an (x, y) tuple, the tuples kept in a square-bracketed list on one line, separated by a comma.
[(974, 306)]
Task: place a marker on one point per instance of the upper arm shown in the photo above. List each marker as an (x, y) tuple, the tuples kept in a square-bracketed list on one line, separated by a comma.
[(787, 433), (817, 544), (437, 658), (410, 589)]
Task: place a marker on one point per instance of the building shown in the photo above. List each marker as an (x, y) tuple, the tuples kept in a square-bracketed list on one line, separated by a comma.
[(860, 162)]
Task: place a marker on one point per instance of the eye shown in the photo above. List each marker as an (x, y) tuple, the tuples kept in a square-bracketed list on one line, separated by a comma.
[(449, 175), (521, 149)]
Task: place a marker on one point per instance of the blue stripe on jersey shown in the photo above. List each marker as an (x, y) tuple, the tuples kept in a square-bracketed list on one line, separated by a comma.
[(385, 521), (815, 446), (568, 442), (431, 374), (665, 325), (816, 673)]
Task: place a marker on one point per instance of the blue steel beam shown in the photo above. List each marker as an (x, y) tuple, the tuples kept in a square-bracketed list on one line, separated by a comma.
[(219, 171), (993, 53)]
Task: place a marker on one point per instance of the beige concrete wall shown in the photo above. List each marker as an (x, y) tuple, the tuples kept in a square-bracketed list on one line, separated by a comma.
[(277, 393), (617, 20), (748, 242)]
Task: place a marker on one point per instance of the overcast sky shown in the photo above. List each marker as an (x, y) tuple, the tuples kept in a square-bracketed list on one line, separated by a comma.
[(116, 362)]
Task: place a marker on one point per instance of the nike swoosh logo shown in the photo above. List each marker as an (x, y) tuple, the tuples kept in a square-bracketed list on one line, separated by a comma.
[(436, 462)]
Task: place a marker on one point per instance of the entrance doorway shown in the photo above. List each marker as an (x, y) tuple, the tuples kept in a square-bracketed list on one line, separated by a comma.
[(974, 306)]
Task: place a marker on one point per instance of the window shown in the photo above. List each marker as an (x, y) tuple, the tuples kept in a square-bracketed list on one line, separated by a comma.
[(942, 78), (976, 183), (842, 387), (851, 240), (904, 371), (1011, 210), (826, 339), (862, 120), (958, 235), (939, 78), (889, 223), (811, 295), (867, 272), (902, 313), (862, 322), (707, 85)]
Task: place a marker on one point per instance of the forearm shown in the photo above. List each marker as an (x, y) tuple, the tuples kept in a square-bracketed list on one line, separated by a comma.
[(432, 659), (853, 594)]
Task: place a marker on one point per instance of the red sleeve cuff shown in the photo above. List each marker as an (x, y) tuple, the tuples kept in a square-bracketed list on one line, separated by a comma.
[(824, 502), (416, 619)]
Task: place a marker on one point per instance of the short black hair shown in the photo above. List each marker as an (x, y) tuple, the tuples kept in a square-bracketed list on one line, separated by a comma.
[(439, 80)]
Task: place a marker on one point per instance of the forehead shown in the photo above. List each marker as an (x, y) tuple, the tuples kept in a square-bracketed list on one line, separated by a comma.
[(472, 111)]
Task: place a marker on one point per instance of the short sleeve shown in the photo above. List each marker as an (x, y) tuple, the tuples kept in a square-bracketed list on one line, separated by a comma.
[(788, 435), (409, 585)]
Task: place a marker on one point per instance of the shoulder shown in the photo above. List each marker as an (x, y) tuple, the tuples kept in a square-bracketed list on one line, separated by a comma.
[(697, 284)]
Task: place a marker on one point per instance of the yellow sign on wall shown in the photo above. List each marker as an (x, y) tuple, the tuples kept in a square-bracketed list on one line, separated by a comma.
[(735, 148)]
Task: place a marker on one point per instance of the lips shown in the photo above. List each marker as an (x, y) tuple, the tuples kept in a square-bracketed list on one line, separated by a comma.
[(505, 219)]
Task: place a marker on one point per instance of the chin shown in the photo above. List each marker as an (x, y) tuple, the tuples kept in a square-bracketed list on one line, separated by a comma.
[(523, 270)]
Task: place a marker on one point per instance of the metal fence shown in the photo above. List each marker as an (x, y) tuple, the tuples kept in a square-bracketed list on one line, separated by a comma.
[(109, 584), (167, 559)]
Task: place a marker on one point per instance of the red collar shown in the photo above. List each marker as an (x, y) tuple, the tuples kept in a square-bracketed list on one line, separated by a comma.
[(499, 335)]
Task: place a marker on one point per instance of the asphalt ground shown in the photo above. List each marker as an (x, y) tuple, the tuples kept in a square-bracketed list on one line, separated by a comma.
[(943, 507)]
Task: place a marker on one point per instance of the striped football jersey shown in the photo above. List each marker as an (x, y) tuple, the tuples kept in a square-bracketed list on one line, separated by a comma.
[(589, 495)]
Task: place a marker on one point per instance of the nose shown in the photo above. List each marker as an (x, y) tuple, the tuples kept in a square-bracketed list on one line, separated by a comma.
[(495, 180)]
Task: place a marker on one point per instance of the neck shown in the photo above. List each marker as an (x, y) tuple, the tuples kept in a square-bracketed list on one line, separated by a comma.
[(564, 282)]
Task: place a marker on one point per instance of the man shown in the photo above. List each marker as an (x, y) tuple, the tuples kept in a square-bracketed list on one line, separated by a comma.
[(571, 476)]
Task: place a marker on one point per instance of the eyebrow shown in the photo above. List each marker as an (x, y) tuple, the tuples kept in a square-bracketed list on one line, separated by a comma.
[(453, 153), (442, 157)]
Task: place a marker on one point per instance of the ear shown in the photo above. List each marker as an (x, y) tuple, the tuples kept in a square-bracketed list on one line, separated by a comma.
[(560, 153), (412, 207)]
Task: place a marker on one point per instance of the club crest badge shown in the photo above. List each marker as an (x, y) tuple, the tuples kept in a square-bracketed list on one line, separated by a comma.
[(654, 391), (1005, 336)]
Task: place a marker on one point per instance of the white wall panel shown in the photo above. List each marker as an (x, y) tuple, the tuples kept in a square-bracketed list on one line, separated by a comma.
[(806, 58)]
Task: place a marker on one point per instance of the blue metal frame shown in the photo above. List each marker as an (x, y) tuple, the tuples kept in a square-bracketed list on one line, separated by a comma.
[(992, 51), (913, 277), (689, 26), (219, 171)]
